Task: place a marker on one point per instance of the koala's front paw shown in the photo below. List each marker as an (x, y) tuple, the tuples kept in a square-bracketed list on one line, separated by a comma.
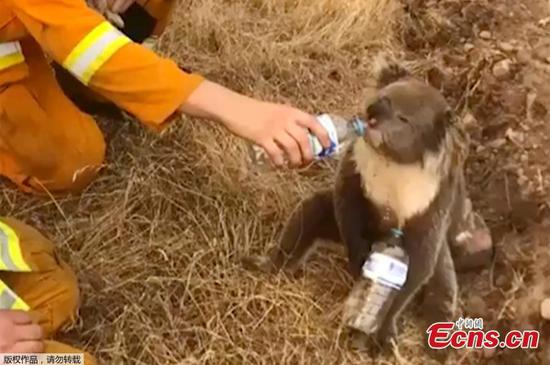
[(258, 263), (387, 333)]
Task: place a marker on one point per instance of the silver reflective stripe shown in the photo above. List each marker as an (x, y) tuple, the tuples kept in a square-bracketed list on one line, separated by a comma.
[(5, 252), (9, 48), (7, 300), (91, 54)]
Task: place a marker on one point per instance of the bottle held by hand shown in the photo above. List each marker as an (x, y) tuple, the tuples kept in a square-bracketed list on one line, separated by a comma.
[(340, 131)]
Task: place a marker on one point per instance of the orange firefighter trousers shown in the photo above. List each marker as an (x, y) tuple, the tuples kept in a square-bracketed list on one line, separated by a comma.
[(47, 144), (51, 290)]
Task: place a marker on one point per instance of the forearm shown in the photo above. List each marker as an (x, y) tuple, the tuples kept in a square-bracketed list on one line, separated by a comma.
[(277, 128), (153, 88), (218, 103)]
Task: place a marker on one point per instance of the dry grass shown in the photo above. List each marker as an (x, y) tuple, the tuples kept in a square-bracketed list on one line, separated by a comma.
[(156, 240)]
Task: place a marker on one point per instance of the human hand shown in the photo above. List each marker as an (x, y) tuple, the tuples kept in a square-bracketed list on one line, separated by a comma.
[(279, 129), (18, 333), (120, 6), (106, 9)]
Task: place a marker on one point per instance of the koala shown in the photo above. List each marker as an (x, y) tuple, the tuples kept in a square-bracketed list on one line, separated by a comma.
[(406, 173)]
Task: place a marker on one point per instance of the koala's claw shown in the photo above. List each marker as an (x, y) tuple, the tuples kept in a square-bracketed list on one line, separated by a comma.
[(387, 334), (258, 263)]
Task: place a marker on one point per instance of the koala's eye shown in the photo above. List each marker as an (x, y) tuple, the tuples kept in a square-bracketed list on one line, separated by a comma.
[(403, 119)]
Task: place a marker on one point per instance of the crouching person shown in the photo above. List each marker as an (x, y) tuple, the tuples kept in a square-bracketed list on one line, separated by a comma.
[(38, 293)]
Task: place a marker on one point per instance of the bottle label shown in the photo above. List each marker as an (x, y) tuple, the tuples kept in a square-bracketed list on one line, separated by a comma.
[(386, 270), (328, 124)]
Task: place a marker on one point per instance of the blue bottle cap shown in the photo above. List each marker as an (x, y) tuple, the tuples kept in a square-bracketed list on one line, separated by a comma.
[(358, 125), (397, 232)]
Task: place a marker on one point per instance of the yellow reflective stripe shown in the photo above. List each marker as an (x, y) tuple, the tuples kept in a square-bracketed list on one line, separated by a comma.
[(9, 300), (104, 57), (85, 43), (11, 257), (94, 50), (10, 54), (20, 305)]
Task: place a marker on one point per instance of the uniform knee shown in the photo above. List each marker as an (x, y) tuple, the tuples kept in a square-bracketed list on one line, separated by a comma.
[(78, 172), (73, 165), (51, 286), (66, 304), (85, 170), (58, 307)]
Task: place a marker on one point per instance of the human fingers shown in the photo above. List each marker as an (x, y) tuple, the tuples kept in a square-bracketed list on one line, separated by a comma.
[(274, 152), (120, 6), (27, 347), (310, 122), (301, 136), (291, 148), (28, 332), (19, 317)]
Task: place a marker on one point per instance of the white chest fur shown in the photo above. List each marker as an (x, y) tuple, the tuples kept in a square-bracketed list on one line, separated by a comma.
[(406, 189)]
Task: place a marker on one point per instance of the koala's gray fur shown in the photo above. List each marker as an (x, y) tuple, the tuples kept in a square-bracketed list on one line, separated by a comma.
[(406, 173)]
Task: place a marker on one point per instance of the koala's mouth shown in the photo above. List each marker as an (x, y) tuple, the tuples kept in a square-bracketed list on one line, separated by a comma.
[(372, 123), (373, 135)]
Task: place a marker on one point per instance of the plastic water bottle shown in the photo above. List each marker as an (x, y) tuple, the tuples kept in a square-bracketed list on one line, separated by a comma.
[(340, 131), (386, 272)]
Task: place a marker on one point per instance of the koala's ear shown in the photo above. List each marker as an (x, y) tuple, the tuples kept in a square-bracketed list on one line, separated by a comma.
[(388, 71)]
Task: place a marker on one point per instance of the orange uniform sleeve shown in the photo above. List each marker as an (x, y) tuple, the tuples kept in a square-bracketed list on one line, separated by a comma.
[(133, 77), (11, 29)]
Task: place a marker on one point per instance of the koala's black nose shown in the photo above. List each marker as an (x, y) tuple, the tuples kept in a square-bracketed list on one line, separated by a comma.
[(379, 110)]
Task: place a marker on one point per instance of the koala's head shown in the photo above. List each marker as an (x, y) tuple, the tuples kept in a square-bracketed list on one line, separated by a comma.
[(407, 118)]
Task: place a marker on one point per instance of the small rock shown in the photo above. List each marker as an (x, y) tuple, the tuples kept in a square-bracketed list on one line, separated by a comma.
[(468, 47), (516, 137), (480, 148), (524, 158), (469, 120), (497, 143), (545, 309), (485, 34), (506, 47), (543, 21), (501, 69), (523, 180)]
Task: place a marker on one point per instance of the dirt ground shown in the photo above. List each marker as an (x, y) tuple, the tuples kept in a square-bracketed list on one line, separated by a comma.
[(156, 240)]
